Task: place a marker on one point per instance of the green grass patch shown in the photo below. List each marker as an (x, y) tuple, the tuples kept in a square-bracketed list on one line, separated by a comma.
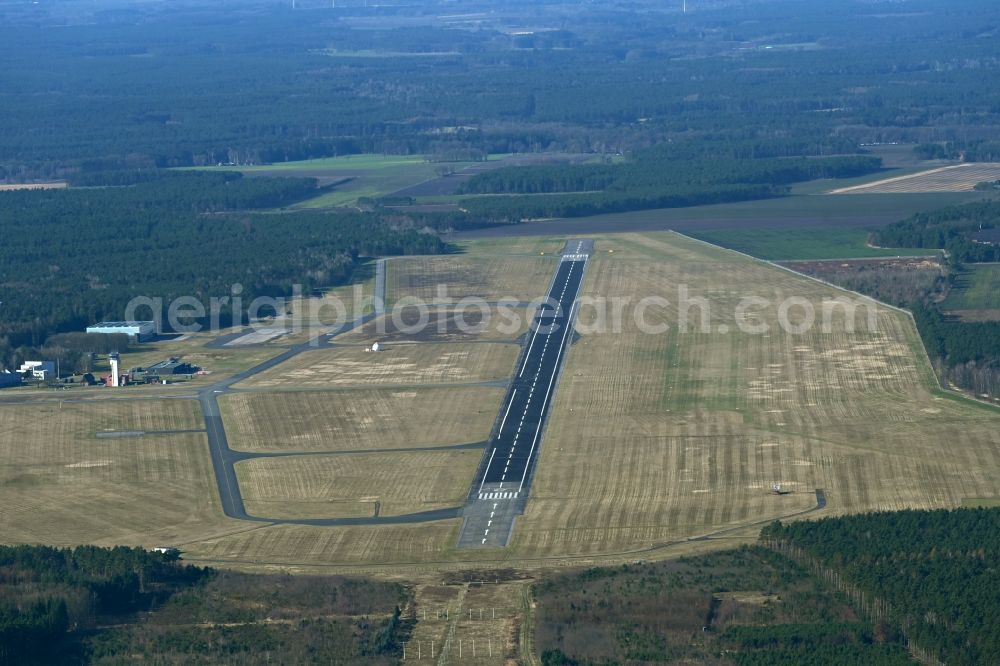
[(977, 288), (981, 502), (806, 207), (368, 175), (805, 243)]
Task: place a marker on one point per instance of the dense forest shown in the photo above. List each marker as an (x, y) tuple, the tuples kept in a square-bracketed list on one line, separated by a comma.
[(966, 354), (931, 573), (110, 606), (969, 151), (75, 256), (958, 342), (949, 228), (749, 606), (95, 88)]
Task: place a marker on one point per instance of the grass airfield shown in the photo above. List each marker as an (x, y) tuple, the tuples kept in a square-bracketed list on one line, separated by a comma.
[(654, 439)]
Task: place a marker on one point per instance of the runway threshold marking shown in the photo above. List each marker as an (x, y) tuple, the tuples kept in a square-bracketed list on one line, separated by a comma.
[(487, 468)]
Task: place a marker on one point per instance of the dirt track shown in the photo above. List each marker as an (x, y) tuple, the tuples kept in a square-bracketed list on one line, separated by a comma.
[(32, 186)]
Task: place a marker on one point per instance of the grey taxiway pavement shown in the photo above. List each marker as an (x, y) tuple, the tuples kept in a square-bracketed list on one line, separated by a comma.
[(224, 458)]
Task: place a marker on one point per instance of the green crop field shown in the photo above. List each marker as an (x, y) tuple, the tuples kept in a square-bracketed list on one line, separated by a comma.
[(803, 243)]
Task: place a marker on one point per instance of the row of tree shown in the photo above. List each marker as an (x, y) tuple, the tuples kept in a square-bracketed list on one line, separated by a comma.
[(970, 151), (524, 207), (664, 168), (950, 228)]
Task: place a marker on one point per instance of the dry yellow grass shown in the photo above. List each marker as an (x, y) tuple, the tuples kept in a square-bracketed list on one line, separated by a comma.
[(396, 365), (652, 438), (490, 277), (61, 484), (325, 547), (356, 420), (696, 426), (312, 316), (513, 245), (316, 486), (491, 322)]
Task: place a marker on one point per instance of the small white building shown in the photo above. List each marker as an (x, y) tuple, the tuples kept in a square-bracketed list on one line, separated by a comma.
[(376, 346), (140, 330), (39, 369)]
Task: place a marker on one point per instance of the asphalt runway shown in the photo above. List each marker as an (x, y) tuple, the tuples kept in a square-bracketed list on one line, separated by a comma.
[(505, 475)]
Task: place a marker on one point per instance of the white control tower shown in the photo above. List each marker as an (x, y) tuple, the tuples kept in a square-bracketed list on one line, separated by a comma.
[(113, 357)]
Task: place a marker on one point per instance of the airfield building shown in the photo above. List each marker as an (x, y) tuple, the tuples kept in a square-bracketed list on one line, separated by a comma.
[(139, 330), (9, 379), (157, 371), (39, 369)]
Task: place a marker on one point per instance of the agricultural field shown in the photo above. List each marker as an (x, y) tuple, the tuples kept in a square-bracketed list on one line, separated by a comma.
[(400, 364), (367, 484), (812, 243), (956, 178), (800, 210), (61, 483), (976, 293), (358, 420)]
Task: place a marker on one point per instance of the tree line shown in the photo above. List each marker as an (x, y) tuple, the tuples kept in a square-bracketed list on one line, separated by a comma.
[(72, 257), (662, 177), (666, 167), (949, 228), (82, 605)]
